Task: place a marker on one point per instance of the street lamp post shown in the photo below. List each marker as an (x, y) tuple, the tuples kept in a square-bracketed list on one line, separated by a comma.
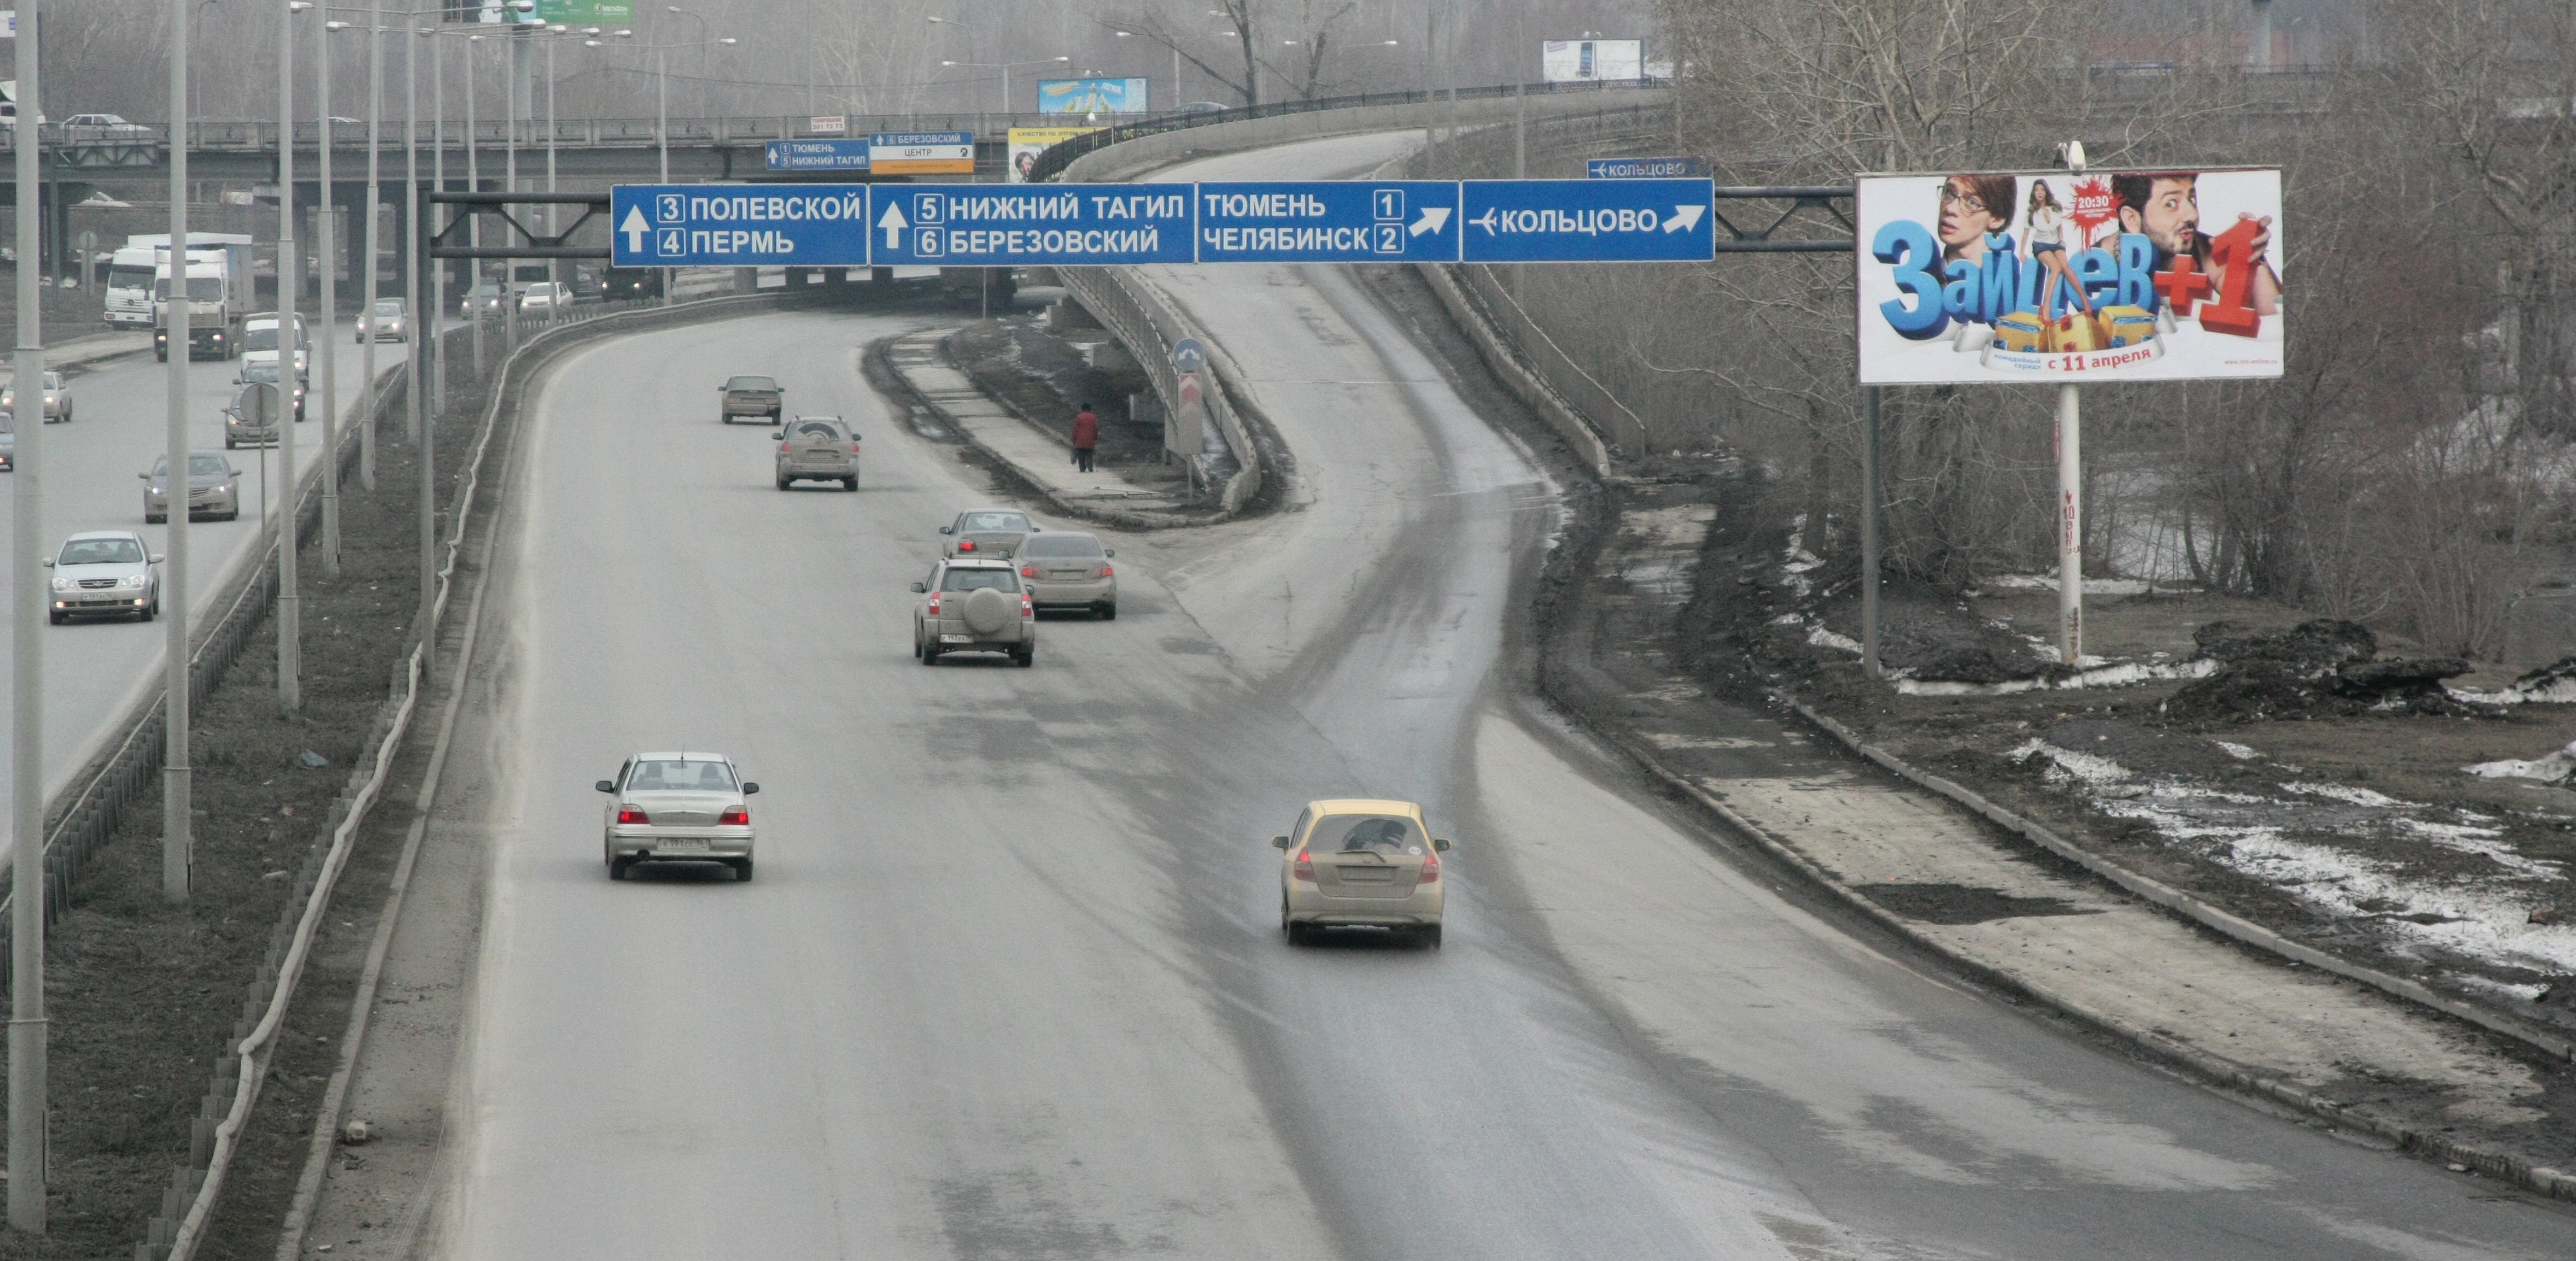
[(473, 222), (290, 277), (176, 786), (27, 1102), (326, 246)]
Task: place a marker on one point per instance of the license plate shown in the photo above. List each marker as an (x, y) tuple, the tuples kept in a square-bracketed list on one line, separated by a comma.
[(1368, 875), (685, 844), (957, 639)]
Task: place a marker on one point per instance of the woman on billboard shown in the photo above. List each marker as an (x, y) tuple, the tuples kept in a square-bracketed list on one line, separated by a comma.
[(2047, 228)]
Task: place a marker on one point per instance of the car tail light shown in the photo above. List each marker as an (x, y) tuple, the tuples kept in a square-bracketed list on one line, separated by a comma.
[(735, 816), (1026, 609), (1107, 571), (786, 447), (934, 604), (966, 545), (632, 814), (1304, 867), (1028, 571), (1430, 868), (854, 448)]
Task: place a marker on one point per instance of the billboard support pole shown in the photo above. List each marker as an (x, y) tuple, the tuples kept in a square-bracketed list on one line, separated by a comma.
[(1870, 498), (2070, 525)]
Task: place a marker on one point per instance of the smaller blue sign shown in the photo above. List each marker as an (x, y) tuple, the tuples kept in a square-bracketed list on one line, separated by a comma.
[(1188, 355), (1030, 225), (1329, 221), (1646, 168), (738, 225), (1587, 221), (818, 155)]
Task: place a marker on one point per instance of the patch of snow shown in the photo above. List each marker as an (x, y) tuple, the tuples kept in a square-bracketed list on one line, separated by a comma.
[(2092, 586), (2240, 752), (1822, 638), (2126, 674), (2083, 766), (2520, 993), (1789, 619), (2346, 794), (2553, 769)]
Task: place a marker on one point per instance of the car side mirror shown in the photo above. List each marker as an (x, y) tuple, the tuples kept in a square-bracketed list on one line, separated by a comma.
[(1110, 552), (948, 529), (48, 562), (1440, 846), (145, 476), (606, 785), (917, 588), (156, 558), (1278, 842), (780, 436), (748, 788)]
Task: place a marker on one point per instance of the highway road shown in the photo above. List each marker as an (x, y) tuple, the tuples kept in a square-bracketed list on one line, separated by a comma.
[(94, 670), (1011, 984)]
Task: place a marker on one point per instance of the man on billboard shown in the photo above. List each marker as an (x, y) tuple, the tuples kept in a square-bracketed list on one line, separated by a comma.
[(2165, 209)]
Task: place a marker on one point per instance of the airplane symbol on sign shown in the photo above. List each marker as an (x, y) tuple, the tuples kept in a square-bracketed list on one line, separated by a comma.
[(1485, 221)]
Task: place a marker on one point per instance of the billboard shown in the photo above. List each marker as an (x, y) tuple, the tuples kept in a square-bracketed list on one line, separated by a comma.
[(1091, 96), (1583, 60), (1028, 142), (2115, 276)]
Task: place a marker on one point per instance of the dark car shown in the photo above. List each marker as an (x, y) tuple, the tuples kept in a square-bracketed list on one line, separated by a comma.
[(752, 396)]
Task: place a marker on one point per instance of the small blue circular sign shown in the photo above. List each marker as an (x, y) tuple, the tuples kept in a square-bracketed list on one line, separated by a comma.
[(1188, 355)]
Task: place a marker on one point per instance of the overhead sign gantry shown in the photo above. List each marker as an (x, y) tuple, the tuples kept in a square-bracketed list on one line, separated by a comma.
[(1036, 225)]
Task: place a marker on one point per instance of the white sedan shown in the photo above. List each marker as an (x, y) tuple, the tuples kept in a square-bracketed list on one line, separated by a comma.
[(677, 807)]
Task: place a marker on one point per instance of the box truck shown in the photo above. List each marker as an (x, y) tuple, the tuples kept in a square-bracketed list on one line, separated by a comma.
[(219, 299)]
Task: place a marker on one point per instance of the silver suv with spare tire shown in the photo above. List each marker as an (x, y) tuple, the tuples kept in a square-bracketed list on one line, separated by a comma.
[(973, 605)]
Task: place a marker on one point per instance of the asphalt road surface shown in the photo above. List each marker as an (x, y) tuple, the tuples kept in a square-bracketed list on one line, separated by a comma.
[(1011, 983), (96, 669)]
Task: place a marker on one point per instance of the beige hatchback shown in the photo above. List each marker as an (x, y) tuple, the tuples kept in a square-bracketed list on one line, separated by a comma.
[(1360, 863)]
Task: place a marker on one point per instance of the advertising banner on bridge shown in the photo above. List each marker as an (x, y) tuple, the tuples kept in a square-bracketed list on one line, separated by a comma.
[(1092, 96), (1583, 60), (577, 12), (1028, 142), (1031, 225), (2057, 277)]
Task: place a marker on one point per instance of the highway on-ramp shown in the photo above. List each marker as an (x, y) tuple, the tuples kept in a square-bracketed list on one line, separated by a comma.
[(1010, 982)]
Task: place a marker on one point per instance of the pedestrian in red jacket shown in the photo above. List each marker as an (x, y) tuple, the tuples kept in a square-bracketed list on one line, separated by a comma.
[(1086, 437)]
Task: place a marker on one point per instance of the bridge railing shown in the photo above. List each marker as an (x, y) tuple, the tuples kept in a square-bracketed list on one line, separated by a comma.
[(253, 135)]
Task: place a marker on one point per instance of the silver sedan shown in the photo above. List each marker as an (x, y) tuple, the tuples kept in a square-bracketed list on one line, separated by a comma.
[(387, 321), (104, 572), (676, 807), (1067, 569), (58, 398), (214, 488)]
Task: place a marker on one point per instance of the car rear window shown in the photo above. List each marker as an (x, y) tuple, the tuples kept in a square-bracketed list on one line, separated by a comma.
[(996, 521), (691, 775), (1061, 545), (1366, 833), (979, 580), (751, 383)]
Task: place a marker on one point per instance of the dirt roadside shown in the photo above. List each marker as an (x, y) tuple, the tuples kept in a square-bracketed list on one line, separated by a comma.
[(1628, 638)]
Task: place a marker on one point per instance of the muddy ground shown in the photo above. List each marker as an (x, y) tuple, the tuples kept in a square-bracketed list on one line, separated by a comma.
[(142, 994)]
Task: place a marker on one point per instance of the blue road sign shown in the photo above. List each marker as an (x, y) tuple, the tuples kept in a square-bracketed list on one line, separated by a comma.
[(1030, 225), (1188, 355), (738, 225), (1355, 221), (1587, 221), (818, 155), (1646, 168)]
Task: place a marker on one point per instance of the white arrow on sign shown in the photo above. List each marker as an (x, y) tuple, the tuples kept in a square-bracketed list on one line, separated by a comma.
[(634, 228), (1433, 219), (1685, 218), (1485, 221), (894, 223)]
